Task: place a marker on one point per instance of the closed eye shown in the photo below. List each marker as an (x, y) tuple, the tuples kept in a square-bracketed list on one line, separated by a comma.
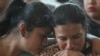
[(76, 36), (62, 38)]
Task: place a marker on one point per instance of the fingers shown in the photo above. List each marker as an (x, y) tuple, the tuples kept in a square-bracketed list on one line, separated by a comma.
[(68, 53), (60, 53)]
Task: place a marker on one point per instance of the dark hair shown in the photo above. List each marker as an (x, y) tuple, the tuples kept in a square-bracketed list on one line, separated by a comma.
[(69, 13), (35, 15), (11, 16), (62, 1)]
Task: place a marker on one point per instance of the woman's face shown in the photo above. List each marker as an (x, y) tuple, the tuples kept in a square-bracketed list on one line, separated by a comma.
[(92, 8), (36, 39), (70, 36)]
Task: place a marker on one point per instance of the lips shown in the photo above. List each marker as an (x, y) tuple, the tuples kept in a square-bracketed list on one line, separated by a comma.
[(92, 9)]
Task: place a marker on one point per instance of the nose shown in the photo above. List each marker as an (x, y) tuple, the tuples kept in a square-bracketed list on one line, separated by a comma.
[(93, 2), (69, 45)]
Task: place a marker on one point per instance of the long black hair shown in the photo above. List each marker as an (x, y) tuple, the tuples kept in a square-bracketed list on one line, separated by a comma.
[(10, 18), (36, 14), (62, 1)]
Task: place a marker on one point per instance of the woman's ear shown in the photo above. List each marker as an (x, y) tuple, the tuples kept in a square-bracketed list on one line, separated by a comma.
[(22, 29)]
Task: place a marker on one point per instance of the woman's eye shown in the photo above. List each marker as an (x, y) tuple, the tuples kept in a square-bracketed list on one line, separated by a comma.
[(63, 39), (76, 37)]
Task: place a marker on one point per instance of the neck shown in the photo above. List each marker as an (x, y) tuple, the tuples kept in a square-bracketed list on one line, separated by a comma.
[(9, 46), (97, 20)]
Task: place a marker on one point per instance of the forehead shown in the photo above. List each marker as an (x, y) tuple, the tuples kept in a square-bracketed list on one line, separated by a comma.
[(68, 26), (68, 29), (41, 30)]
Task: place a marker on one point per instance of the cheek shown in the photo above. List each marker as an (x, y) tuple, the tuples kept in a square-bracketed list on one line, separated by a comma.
[(61, 44), (98, 7), (34, 43), (86, 8), (79, 44), (98, 3), (85, 5)]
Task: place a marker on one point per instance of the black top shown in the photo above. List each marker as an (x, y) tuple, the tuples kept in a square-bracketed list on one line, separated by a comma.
[(94, 28), (87, 49)]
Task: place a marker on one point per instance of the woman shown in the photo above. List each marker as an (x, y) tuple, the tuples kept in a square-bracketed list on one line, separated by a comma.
[(25, 28), (70, 28), (92, 8)]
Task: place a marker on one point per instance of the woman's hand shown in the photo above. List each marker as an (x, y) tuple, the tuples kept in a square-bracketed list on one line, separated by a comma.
[(68, 53)]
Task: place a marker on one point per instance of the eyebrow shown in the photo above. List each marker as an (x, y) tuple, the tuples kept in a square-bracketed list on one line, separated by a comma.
[(61, 37), (77, 34)]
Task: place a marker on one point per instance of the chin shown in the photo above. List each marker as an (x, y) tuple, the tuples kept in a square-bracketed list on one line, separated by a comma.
[(94, 16)]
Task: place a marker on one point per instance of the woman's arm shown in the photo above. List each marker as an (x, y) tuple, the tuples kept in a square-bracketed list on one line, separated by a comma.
[(96, 45)]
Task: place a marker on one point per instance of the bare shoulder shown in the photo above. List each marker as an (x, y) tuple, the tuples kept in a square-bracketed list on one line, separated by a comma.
[(96, 45)]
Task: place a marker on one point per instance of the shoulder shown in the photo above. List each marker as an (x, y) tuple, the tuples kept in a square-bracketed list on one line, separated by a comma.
[(95, 43), (50, 51)]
